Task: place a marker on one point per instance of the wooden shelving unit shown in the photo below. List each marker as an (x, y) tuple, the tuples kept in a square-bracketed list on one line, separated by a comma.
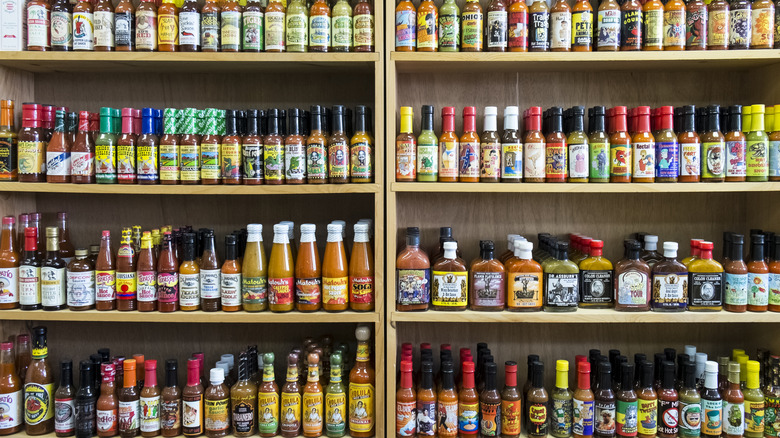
[(158, 189), (191, 317), (606, 188)]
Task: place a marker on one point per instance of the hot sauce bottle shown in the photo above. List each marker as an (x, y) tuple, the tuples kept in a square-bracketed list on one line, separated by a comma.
[(449, 27), (706, 276), (426, 21), (448, 147), (230, 150), (126, 277), (146, 275), (736, 145), (561, 279), (9, 266), (763, 25), (711, 403), (58, 163), (653, 14), (450, 280), (758, 276), (32, 143), (335, 280), (620, 147), (216, 400), (230, 282), (446, 423), (562, 405), (560, 27), (674, 25), (632, 280), (290, 405), (405, 405), (361, 271), (124, 26), (39, 388), (577, 145), (539, 26), (105, 275), (696, 25), (8, 141), (61, 26), (83, 24), (626, 408), (189, 276), (30, 272), (316, 148), (511, 163), (490, 148), (582, 26), (338, 149), (754, 402), (341, 27), (189, 27), (427, 424), (129, 402), (471, 21), (209, 275), (631, 26), (689, 143), (643, 148), (170, 167), (668, 403), (126, 149), (757, 147), (308, 281), (608, 26), (718, 25), (81, 282), (597, 281), (230, 26), (427, 149), (733, 404), (361, 388), (192, 401), (556, 168), (713, 163), (170, 404), (254, 281), (64, 400), (670, 282), (268, 399), (487, 279), (537, 405), (167, 27), (667, 150), (469, 147), (468, 403), (107, 403), (517, 26), (243, 400), (312, 402), (736, 277), (168, 277), (280, 272), (534, 147), (524, 280), (150, 401), (294, 149), (496, 26), (147, 151), (146, 26)]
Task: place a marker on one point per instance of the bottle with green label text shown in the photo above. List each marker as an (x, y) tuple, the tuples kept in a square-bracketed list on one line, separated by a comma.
[(105, 149), (427, 148), (690, 404), (335, 401), (561, 412), (598, 143), (449, 27), (757, 146), (754, 398), (471, 27)]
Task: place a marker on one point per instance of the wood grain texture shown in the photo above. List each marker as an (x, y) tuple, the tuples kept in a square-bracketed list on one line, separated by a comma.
[(224, 189), (587, 316), (746, 187)]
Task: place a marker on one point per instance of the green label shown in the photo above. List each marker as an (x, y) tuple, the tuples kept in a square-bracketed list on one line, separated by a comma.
[(771, 416), (757, 162), (427, 155), (253, 290), (449, 31), (690, 419), (560, 423), (472, 30), (626, 418), (713, 159), (342, 31), (253, 32), (599, 160)]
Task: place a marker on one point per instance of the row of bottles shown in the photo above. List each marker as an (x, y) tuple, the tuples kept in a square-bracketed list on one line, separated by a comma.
[(226, 26), (669, 395), (120, 395), (562, 275), (187, 146), (607, 25), (168, 270), (642, 144)]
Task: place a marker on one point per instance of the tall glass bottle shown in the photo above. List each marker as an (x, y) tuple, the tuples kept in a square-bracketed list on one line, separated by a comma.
[(192, 423), (9, 266), (361, 388), (86, 399), (562, 404), (281, 272), (758, 276), (268, 399), (64, 402), (754, 402), (168, 277), (39, 388), (53, 284), (11, 391), (561, 280)]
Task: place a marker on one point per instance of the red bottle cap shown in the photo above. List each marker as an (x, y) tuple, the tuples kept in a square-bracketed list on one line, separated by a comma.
[(446, 347), (596, 248), (448, 119), (534, 122), (468, 367), (406, 366), (6, 346), (469, 111), (9, 220), (425, 346), (127, 121), (106, 233), (580, 358), (448, 111)]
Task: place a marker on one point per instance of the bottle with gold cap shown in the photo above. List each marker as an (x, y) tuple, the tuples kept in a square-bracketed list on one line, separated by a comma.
[(406, 148), (772, 130), (562, 402), (733, 405), (757, 146), (754, 402), (8, 141), (53, 290)]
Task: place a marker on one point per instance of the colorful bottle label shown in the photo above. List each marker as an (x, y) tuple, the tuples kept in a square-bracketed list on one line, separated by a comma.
[(740, 24), (338, 160), (405, 421), (308, 291), (525, 290), (449, 289), (64, 414), (405, 29), (342, 32), (280, 290), (169, 162), (667, 163), (274, 31), (626, 418), (38, 403), (189, 290), (511, 415), (192, 420), (771, 415), (647, 423), (706, 289), (448, 165), (146, 30), (296, 28), (189, 160), (254, 289), (597, 286), (319, 31), (717, 28), (361, 289), (252, 31), (170, 414), (757, 158), (107, 421), (490, 162), (427, 160), (711, 422), (609, 28), (774, 158), (106, 285), (733, 418), (189, 28), (670, 291), (168, 28), (363, 30), (147, 286), (426, 29), (62, 29), (736, 289), (599, 160), (316, 161), (763, 21), (537, 418), (488, 288), (83, 31), (312, 413), (335, 408), (335, 290), (534, 157), (512, 161), (469, 160), (449, 31), (578, 160), (9, 291), (620, 164), (242, 415), (468, 417), (490, 419), (230, 164), (582, 29), (631, 29), (674, 28), (517, 31), (37, 26), (58, 163), (632, 288), (561, 417), (713, 160), (668, 414), (644, 159), (216, 414), (471, 23), (560, 30), (539, 34), (210, 161), (774, 289), (125, 162), (32, 157), (496, 30), (268, 412), (696, 27), (582, 417), (754, 416), (447, 418), (654, 28), (105, 162), (690, 419), (53, 286), (168, 287), (561, 290), (690, 159), (361, 407), (150, 414), (230, 289), (126, 285), (147, 163), (758, 289), (413, 286), (426, 418), (555, 160), (361, 163), (129, 413), (735, 158)]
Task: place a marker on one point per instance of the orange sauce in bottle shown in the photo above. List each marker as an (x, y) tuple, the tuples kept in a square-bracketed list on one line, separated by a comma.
[(361, 271), (105, 275), (189, 276), (9, 264), (335, 276), (280, 272), (582, 27), (448, 147), (230, 283), (689, 144), (469, 147), (653, 23), (620, 147), (643, 148), (308, 272), (362, 396)]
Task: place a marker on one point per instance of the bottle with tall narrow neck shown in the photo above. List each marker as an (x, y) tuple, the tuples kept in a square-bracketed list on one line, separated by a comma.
[(9, 266), (290, 404), (53, 284), (129, 402), (562, 404), (335, 275), (39, 388), (757, 146), (107, 403), (65, 402), (268, 399), (713, 147), (281, 272), (583, 399), (754, 402), (230, 284), (171, 402), (85, 402), (711, 403), (11, 391), (126, 276), (105, 275), (361, 388), (758, 276), (150, 401), (168, 277)]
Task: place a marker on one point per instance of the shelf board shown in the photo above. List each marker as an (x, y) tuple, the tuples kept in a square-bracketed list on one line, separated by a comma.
[(437, 187), (585, 316), (158, 189), (195, 62), (417, 62), (197, 316)]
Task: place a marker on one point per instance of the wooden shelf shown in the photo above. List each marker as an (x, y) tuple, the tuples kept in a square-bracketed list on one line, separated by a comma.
[(189, 317), (158, 189), (585, 316), (585, 187), (418, 62), (196, 62)]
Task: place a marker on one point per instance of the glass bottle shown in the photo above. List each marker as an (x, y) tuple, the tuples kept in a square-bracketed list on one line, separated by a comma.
[(653, 29), (230, 283), (597, 278), (713, 163), (468, 403), (146, 26), (560, 27), (758, 276), (487, 280), (39, 387), (647, 404), (274, 26), (556, 167), (363, 27), (757, 146), (281, 272), (192, 401), (168, 277), (413, 275), (632, 280), (361, 388), (577, 142), (189, 276), (626, 408), (53, 287), (290, 416), (643, 147), (9, 266), (449, 290), (129, 402), (754, 402), (561, 280), (620, 146), (216, 401), (561, 408), (64, 402), (335, 274), (733, 404), (124, 26), (338, 148), (189, 26), (524, 280), (668, 402), (670, 282), (268, 399), (150, 401), (210, 280), (85, 402), (706, 276), (341, 27), (296, 26), (230, 27), (538, 26), (690, 404), (537, 403), (471, 21)]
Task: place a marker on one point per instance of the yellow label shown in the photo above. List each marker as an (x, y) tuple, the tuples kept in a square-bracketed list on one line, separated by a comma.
[(267, 412), (361, 407), (754, 416), (169, 162), (290, 409), (450, 288), (147, 161), (105, 158), (231, 161), (32, 157), (647, 419), (524, 289), (189, 159), (209, 161), (427, 37), (167, 29), (125, 159), (490, 164), (274, 162), (335, 410), (312, 413), (38, 402), (335, 290), (217, 414)]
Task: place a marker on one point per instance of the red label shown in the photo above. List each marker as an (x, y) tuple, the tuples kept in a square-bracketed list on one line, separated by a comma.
[(308, 290), (280, 290), (518, 29), (556, 160), (167, 287), (361, 289)]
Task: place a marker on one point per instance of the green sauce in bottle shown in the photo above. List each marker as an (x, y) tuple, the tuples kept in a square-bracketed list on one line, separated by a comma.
[(754, 398), (561, 413), (561, 281), (757, 147), (690, 404), (427, 148)]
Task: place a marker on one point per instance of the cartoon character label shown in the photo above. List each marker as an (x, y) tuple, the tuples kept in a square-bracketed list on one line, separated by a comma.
[(426, 30), (632, 288), (674, 28), (717, 28), (621, 157), (9, 278), (754, 416), (609, 28), (711, 423), (735, 158), (644, 160), (599, 160), (449, 31), (667, 159), (690, 419), (757, 289), (626, 418), (740, 24), (510, 417), (757, 158), (405, 29), (469, 160), (555, 163), (405, 160), (713, 160), (647, 423), (512, 161), (774, 291), (668, 413), (448, 159), (733, 418), (490, 166), (561, 420), (736, 289), (578, 160), (582, 421), (690, 159)]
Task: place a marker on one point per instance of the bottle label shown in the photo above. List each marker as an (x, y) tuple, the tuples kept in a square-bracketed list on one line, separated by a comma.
[(711, 422), (167, 287), (230, 289), (518, 29), (210, 32), (763, 27), (754, 416), (106, 285), (361, 289), (38, 403), (609, 28), (512, 161), (496, 33), (524, 289), (274, 31), (449, 31), (170, 414), (62, 29), (216, 414), (621, 157), (632, 288), (578, 160), (29, 285), (537, 416), (342, 31), (210, 161), (626, 418), (674, 28), (631, 29), (735, 158), (757, 163), (599, 157), (582, 421), (405, 29), (189, 290), (654, 28), (667, 159), (147, 286), (771, 411), (447, 418), (668, 414), (64, 415), (126, 285), (268, 412), (37, 26), (291, 412), (488, 288), (243, 416), (774, 158), (405, 421), (106, 421), (209, 283), (230, 31), (539, 34), (82, 164), (58, 163), (124, 28), (337, 161), (582, 29), (316, 164), (81, 288), (189, 28), (150, 414), (312, 413), (335, 407), (193, 414), (774, 289), (534, 157), (734, 418), (296, 27), (253, 161), (254, 290), (468, 417), (758, 289), (450, 289), (105, 162), (717, 29), (560, 30), (9, 278), (231, 161), (32, 154), (426, 30), (83, 31), (426, 418), (597, 287), (696, 27), (713, 164), (472, 31), (146, 30), (706, 289), (490, 166), (85, 414), (736, 289), (413, 286), (427, 159), (360, 158), (125, 162), (335, 290), (644, 160), (510, 417), (168, 26), (561, 420), (128, 415), (561, 290), (280, 290), (690, 419), (555, 162), (53, 286), (169, 162), (147, 163), (670, 291), (361, 407), (647, 423), (490, 419), (448, 165)]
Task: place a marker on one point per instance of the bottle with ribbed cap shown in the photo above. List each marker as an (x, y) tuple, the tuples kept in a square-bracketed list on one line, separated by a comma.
[(335, 275), (490, 148), (757, 146), (670, 282), (361, 270), (105, 149), (690, 419), (469, 156), (243, 400), (668, 403), (280, 272), (706, 277), (147, 150), (129, 403), (577, 142), (736, 277), (713, 164), (210, 149), (308, 272), (448, 145), (150, 401), (561, 409), (53, 284), (758, 276), (537, 403), (510, 403), (733, 404), (254, 271), (711, 403), (597, 276), (754, 402)]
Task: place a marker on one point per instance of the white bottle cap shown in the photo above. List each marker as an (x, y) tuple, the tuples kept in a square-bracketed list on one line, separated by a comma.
[(510, 117), (690, 350), (491, 113), (334, 232), (281, 234), (711, 367), (651, 242), (361, 232), (450, 250), (307, 233), (523, 249), (217, 376), (670, 250), (254, 233)]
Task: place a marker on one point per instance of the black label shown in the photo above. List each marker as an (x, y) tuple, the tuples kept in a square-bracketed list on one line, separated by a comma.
[(604, 418), (86, 418), (561, 290), (596, 287), (631, 29), (243, 417), (7, 155), (668, 417), (706, 288), (539, 35)]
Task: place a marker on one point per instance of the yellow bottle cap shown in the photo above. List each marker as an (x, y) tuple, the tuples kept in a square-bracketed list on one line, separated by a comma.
[(757, 109), (736, 352), (562, 374), (753, 368), (407, 111)]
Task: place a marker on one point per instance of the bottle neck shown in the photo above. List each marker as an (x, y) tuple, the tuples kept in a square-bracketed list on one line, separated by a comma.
[(578, 123), (468, 380), (711, 380), (469, 123), (193, 376), (150, 377), (583, 380), (406, 380), (448, 123), (66, 374)]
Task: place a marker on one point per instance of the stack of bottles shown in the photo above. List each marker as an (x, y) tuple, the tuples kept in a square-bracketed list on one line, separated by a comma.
[(185, 26), (168, 270), (642, 144), (565, 274), (603, 25), (321, 394), (187, 146), (666, 395)]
